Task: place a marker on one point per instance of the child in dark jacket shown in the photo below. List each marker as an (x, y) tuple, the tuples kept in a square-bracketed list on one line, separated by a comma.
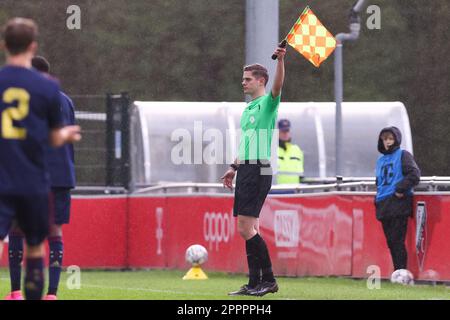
[(396, 175)]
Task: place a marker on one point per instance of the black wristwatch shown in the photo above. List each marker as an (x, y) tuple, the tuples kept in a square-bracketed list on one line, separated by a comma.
[(235, 167)]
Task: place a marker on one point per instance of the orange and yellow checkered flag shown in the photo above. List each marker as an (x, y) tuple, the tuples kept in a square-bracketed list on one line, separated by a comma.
[(309, 37)]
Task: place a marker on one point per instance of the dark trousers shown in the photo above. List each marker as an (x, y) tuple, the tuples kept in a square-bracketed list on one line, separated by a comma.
[(395, 232)]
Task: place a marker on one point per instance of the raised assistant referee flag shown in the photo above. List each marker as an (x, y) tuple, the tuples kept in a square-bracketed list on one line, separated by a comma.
[(309, 37)]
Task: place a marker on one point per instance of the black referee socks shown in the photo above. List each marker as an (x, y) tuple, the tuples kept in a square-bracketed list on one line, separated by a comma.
[(253, 263), (259, 246)]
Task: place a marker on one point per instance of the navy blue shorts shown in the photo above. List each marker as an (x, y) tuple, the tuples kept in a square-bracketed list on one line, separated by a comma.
[(60, 206), (31, 212)]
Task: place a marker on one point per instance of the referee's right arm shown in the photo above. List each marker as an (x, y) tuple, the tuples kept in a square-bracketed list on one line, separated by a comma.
[(229, 175)]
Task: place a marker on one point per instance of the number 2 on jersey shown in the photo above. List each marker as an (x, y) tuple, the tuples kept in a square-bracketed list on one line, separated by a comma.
[(9, 131)]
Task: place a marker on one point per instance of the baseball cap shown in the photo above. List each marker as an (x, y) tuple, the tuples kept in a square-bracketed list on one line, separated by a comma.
[(284, 125)]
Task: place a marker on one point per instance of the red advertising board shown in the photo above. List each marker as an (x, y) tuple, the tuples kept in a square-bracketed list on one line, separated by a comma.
[(147, 232), (308, 235), (97, 233), (331, 233), (96, 236)]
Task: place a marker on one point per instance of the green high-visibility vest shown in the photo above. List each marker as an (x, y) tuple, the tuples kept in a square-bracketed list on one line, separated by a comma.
[(290, 164)]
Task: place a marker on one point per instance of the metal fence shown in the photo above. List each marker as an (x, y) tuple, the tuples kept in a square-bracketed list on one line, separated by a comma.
[(310, 185), (101, 156), (90, 152)]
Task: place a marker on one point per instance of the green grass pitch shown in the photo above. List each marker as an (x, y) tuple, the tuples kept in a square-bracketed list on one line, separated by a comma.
[(168, 285)]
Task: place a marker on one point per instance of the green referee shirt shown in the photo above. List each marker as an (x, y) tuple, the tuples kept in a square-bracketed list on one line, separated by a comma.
[(257, 124)]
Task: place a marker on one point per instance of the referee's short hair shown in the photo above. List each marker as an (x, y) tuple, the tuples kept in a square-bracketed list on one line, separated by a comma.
[(18, 34), (258, 71), (40, 64)]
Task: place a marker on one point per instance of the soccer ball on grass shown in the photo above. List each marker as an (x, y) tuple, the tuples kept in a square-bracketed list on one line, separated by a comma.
[(402, 276), (196, 255)]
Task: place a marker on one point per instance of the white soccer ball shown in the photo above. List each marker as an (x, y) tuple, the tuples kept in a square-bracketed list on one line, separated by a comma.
[(402, 276), (196, 254)]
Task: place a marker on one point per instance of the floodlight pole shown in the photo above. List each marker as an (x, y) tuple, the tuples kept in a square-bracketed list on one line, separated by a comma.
[(261, 34), (355, 26)]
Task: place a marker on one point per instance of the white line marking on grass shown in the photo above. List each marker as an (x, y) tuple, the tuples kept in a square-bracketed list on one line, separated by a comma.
[(148, 290), (142, 289), (157, 291)]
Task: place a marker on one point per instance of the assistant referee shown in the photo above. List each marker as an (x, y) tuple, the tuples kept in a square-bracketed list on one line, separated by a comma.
[(254, 174)]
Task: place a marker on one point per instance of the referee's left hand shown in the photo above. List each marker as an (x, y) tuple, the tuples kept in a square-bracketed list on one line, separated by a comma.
[(228, 178)]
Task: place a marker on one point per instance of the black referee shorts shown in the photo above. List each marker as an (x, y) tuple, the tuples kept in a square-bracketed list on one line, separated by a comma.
[(253, 183)]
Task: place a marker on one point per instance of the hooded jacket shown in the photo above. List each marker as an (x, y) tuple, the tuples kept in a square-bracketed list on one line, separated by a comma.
[(396, 172)]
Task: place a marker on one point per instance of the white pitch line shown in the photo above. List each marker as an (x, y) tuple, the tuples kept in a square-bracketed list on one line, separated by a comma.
[(139, 289), (153, 290), (147, 290)]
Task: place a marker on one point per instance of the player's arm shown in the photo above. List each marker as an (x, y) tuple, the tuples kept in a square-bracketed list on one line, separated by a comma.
[(59, 133), (279, 74), (67, 134)]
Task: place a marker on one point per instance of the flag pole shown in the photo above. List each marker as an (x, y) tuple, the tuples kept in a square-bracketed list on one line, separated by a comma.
[(355, 26)]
